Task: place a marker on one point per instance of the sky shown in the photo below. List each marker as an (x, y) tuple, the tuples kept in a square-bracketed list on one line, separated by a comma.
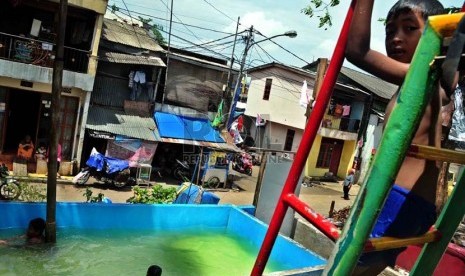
[(268, 17)]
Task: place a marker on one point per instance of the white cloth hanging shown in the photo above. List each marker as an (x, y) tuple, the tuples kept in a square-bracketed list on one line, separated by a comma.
[(139, 77), (303, 95)]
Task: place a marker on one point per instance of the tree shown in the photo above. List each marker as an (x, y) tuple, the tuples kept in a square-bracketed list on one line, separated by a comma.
[(322, 8), (318, 6), (155, 28)]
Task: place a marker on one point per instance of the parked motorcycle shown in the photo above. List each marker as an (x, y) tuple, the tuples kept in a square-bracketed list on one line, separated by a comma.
[(9, 188), (243, 163), (107, 169), (182, 170)]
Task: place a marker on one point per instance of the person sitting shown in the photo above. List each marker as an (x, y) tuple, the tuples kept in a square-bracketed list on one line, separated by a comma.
[(41, 152), (25, 148)]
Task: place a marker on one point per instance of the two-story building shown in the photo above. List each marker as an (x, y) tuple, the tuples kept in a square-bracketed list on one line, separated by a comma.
[(274, 95), (128, 77), (28, 31)]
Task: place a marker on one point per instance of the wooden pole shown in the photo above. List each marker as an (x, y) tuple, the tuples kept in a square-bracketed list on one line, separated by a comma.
[(331, 209), (50, 226), (442, 188), (320, 73), (199, 166), (261, 172)]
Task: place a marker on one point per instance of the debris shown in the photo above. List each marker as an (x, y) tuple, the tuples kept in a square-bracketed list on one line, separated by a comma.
[(339, 217)]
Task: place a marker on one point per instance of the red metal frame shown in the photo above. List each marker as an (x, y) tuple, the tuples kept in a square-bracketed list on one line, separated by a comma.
[(287, 197)]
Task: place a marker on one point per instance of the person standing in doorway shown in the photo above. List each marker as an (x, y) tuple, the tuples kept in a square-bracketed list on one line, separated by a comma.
[(347, 184)]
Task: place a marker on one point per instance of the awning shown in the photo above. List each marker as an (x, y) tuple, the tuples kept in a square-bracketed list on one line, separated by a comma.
[(130, 59), (190, 131), (187, 128), (119, 123)]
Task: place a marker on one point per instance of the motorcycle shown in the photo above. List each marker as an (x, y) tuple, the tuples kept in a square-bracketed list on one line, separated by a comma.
[(243, 163), (107, 169), (182, 170), (9, 188)]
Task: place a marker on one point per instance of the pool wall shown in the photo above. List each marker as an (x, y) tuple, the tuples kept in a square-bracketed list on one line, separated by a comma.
[(167, 217)]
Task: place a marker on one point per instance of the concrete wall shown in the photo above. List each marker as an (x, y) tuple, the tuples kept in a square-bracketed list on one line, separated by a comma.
[(373, 138), (283, 105), (273, 135), (310, 237), (274, 177), (345, 163)]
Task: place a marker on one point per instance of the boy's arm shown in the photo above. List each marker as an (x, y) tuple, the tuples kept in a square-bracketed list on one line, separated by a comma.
[(358, 49)]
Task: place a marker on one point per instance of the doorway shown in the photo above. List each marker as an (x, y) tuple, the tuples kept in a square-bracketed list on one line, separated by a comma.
[(22, 114), (330, 154)]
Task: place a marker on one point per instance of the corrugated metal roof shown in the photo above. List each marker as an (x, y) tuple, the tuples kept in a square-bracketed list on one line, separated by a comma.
[(217, 146), (188, 59), (376, 85), (130, 59), (118, 122), (127, 34)]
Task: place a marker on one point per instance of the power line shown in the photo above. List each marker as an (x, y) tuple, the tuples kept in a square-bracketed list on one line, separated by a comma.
[(220, 11), (185, 40), (132, 24), (277, 44), (209, 42), (176, 22), (179, 21), (182, 15)]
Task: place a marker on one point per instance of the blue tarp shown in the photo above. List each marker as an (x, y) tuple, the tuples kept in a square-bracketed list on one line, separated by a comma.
[(188, 128)]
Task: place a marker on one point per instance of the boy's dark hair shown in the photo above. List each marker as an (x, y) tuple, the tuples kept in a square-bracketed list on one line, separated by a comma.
[(154, 270), (425, 7), (38, 224)]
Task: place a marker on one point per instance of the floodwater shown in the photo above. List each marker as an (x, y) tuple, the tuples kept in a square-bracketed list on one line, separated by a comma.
[(131, 252)]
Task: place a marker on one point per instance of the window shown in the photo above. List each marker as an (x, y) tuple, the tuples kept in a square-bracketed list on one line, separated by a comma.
[(289, 139), (324, 157), (266, 92)]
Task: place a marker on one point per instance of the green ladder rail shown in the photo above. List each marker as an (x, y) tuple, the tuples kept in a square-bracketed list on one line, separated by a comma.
[(413, 98)]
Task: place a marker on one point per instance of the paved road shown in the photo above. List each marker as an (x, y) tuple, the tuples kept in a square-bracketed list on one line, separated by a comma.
[(319, 197)]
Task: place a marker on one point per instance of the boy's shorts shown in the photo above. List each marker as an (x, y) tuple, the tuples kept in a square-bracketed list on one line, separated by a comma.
[(404, 214)]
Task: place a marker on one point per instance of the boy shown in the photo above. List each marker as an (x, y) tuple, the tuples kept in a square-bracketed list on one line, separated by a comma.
[(347, 184), (34, 233), (410, 207)]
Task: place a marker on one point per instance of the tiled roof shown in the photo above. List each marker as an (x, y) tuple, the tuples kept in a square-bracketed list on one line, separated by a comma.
[(130, 59), (376, 85), (119, 123), (126, 34)]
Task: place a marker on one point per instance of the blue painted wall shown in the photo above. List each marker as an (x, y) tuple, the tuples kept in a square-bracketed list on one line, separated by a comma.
[(166, 217)]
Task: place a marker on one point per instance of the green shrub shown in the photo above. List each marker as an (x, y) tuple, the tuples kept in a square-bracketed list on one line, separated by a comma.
[(89, 198), (154, 195), (32, 192)]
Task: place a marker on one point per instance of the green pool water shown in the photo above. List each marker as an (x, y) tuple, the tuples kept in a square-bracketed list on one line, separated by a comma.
[(131, 252)]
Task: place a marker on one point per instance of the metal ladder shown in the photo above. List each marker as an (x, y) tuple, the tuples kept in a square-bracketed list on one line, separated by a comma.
[(413, 98)]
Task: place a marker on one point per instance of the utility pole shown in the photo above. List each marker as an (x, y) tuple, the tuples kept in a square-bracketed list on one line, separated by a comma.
[(50, 225), (167, 55), (239, 79), (227, 97)]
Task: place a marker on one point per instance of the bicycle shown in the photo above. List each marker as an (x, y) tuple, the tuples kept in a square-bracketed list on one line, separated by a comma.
[(9, 187)]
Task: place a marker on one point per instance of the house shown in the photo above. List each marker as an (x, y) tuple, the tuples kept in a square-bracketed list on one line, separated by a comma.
[(196, 81), (274, 95), (170, 111), (128, 77), (28, 31)]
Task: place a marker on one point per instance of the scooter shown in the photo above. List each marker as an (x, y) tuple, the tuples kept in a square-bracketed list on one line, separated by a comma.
[(243, 163), (107, 169)]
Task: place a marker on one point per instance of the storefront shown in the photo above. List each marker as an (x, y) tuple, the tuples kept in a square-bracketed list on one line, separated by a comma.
[(24, 112)]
